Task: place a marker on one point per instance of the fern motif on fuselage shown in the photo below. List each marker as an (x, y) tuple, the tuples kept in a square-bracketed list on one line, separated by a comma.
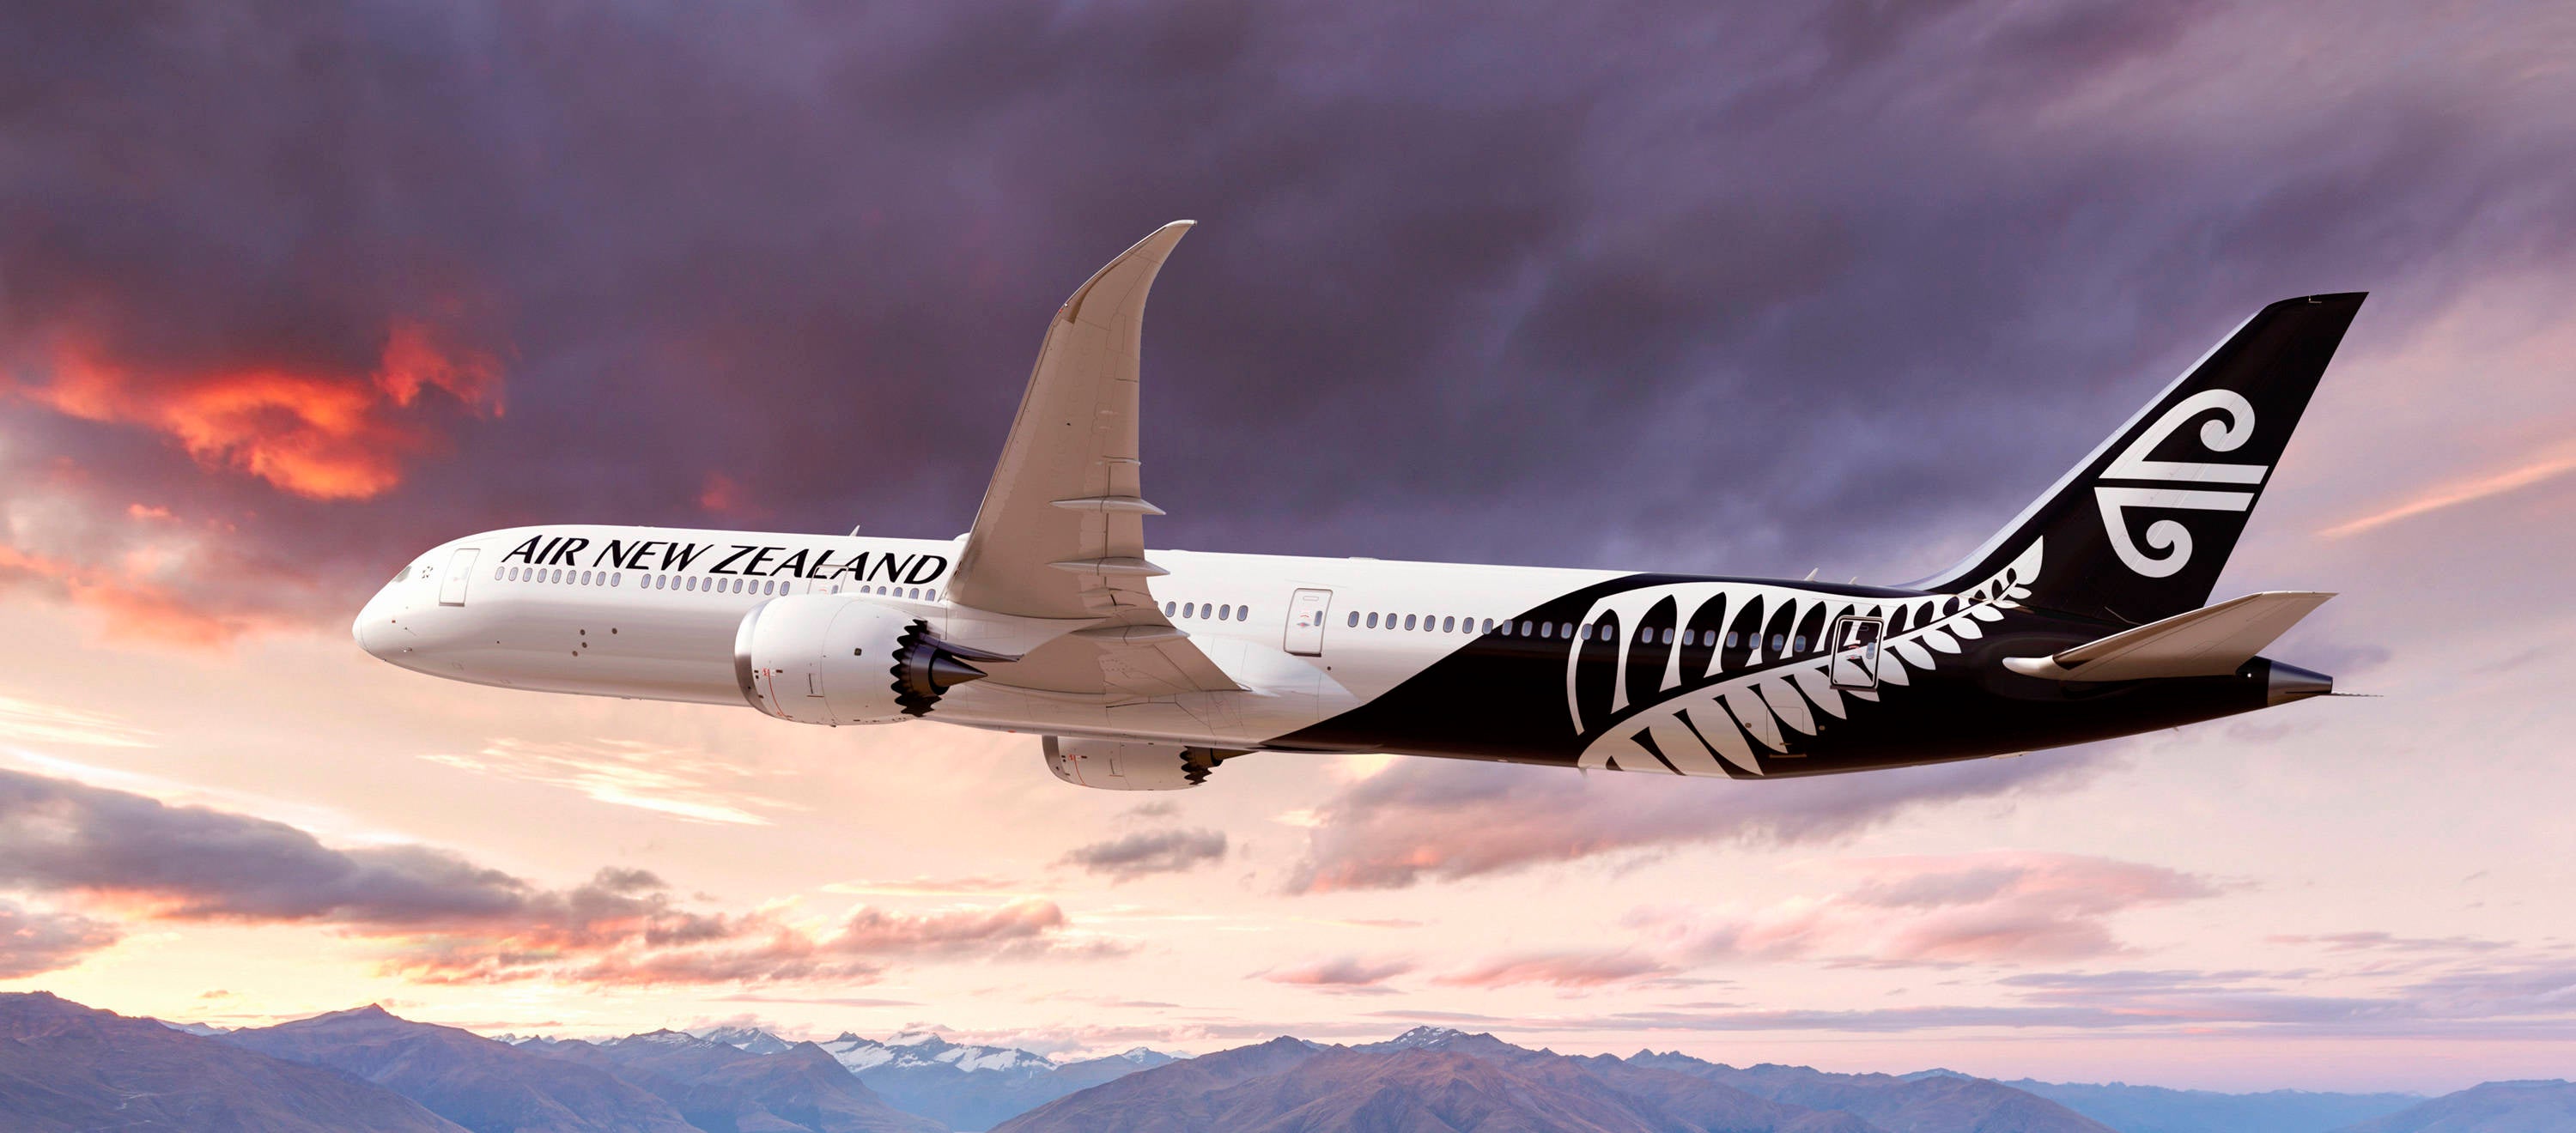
[(1693, 704)]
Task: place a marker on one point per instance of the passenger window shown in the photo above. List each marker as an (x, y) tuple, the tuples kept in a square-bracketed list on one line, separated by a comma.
[(1355, 619), (1526, 629), (693, 582), (930, 595), (1800, 646), (1171, 608), (1243, 613), (1734, 639), (1776, 642), (1372, 620), (1448, 625), (1489, 625), (496, 574), (1189, 609), (1408, 621), (616, 577), (1668, 638)]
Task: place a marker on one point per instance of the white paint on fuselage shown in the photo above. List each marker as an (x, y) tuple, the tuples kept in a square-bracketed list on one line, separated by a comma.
[(617, 634)]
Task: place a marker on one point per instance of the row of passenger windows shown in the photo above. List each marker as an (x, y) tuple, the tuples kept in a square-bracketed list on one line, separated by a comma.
[(685, 582), (1223, 612), (1568, 631)]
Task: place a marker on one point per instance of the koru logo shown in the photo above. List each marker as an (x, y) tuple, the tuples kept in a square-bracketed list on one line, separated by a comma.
[(2218, 434)]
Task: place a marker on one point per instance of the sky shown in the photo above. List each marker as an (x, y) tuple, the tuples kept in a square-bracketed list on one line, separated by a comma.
[(290, 293)]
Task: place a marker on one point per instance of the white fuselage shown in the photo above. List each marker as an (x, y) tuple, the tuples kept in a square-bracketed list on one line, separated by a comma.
[(652, 613)]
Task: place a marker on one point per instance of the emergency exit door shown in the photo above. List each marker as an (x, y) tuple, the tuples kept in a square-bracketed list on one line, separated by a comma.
[(460, 567), (1855, 657), (1306, 611)]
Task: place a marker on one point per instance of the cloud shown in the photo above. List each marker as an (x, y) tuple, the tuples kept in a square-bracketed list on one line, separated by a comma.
[(991, 929), (1131, 856), (1339, 972), (2536, 470), (1565, 969), (1436, 820), (436, 917), (35, 941), (1554, 254), (29, 721), (1996, 907), (2391, 942), (310, 432), (633, 773)]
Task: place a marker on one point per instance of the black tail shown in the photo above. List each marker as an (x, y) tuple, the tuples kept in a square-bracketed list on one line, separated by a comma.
[(2139, 529)]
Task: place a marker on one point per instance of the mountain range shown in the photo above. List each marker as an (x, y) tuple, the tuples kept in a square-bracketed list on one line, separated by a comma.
[(68, 1067)]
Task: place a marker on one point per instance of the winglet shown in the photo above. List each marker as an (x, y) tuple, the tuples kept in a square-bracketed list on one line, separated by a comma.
[(1060, 533)]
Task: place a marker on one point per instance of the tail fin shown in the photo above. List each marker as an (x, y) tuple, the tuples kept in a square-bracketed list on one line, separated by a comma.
[(2138, 530)]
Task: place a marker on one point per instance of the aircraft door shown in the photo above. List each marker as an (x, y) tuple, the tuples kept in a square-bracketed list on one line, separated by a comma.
[(460, 568), (1855, 657), (1306, 610)]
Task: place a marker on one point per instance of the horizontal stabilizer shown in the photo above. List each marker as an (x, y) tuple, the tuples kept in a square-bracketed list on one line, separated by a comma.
[(2208, 642)]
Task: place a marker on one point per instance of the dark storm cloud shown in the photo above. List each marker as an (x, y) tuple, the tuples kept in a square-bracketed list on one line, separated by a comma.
[(1130, 856), (1754, 287)]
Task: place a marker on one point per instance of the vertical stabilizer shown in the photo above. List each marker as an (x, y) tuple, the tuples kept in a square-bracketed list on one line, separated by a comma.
[(2139, 530)]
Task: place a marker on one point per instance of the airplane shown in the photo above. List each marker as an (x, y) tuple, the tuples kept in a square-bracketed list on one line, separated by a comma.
[(2084, 618)]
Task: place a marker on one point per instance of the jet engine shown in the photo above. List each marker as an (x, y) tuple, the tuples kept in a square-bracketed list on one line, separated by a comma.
[(1129, 765), (842, 659)]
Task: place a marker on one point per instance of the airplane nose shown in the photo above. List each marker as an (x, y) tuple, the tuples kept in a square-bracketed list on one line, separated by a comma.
[(2290, 682), (372, 629)]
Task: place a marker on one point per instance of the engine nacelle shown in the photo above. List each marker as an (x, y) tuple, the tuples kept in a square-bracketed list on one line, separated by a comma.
[(1130, 765), (842, 659)]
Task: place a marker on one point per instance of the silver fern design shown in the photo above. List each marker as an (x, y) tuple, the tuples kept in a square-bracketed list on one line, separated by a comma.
[(1761, 697)]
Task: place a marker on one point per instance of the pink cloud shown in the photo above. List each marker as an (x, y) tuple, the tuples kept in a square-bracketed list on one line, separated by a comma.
[(2000, 906), (1567, 969), (1340, 972)]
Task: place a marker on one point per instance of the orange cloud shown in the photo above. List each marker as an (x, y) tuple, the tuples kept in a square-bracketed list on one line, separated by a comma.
[(721, 493), (324, 436)]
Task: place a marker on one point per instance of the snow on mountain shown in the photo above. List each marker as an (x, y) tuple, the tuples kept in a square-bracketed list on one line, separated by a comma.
[(1419, 1038), (749, 1040), (911, 1049), (201, 1030)]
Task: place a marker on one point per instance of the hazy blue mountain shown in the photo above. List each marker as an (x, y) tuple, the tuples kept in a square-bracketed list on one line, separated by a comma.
[(1910, 1104), (482, 1084), (1437, 1080), (2155, 1109), (2547, 1106), (721, 1089), (66, 1067)]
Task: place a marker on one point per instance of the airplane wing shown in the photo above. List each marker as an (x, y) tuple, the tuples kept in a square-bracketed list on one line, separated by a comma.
[(1061, 531)]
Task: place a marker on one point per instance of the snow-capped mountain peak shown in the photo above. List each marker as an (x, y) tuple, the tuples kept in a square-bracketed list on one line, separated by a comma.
[(1426, 1037), (925, 1048), (749, 1040)]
